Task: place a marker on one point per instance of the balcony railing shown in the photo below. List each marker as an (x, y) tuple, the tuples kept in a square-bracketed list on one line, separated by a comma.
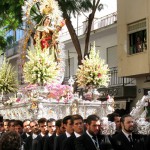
[(114, 79), (98, 23)]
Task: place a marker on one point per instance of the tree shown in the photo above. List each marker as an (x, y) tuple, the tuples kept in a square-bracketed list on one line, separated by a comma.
[(3, 44), (77, 7), (93, 6), (10, 14), (12, 19)]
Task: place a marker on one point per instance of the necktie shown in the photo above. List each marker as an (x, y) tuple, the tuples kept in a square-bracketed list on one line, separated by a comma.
[(130, 139), (95, 141)]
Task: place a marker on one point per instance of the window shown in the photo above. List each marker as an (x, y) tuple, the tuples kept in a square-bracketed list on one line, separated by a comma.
[(112, 57), (19, 34), (137, 35)]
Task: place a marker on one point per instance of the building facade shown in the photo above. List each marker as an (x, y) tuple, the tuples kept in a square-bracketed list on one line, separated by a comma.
[(133, 42), (104, 34)]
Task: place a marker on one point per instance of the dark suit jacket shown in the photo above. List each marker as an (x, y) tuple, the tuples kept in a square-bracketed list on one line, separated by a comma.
[(120, 142), (69, 143), (23, 136), (38, 142), (147, 141), (49, 142), (84, 142), (28, 143), (1, 134), (58, 142)]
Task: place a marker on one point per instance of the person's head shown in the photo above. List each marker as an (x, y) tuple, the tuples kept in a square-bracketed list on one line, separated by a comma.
[(77, 122), (51, 125), (67, 124), (93, 124), (26, 126), (11, 125), (47, 21), (138, 39), (60, 25), (34, 127), (1, 124), (127, 123), (42, 125), (10, 141), (6, 128), (58, 28), (18, 126), (59, 127), (114, 117)]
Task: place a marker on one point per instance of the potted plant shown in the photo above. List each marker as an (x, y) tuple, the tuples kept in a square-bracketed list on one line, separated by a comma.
[(8, 80)]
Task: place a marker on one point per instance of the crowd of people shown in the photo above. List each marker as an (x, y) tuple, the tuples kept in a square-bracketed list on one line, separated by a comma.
[(71, 133)]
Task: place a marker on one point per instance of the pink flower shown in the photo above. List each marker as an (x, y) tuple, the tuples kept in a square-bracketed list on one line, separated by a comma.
[(99, 75), (108, 97), (18, 100), (60, 92)]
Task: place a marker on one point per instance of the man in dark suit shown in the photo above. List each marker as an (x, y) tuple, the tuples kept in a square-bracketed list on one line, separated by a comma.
[(49, 141), (126, 139), (114, 117), (11, 125), (26, 129), (78, 126), (51, 126), (18, 126), (58, 143), (1, 126), (147, 141), (38, 142), (34, 133), (6, 125), (91, 139)]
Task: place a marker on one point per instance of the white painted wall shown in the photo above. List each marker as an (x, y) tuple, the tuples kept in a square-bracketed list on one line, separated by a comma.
[(104, 38)]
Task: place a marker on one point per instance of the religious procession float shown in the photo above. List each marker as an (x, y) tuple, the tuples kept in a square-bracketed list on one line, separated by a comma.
[(43, 67)]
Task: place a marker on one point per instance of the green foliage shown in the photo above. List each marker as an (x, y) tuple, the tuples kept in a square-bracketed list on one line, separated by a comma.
[(35, 13), (3, 43), (10, 13), (8, 79), (69, 7)]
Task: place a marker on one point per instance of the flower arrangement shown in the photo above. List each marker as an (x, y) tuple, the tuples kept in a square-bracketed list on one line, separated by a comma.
[(93, 71), (30, 87), (60, 92), (8, 80), (41, 67), (10, 101)]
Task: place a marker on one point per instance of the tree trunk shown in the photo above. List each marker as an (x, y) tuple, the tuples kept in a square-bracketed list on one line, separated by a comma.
[(87, 37), (74, 38), (90, 21)]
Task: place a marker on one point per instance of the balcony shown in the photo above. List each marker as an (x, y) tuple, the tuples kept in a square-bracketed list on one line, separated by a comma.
[(117, 81), (97, 24), (119, 87)]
